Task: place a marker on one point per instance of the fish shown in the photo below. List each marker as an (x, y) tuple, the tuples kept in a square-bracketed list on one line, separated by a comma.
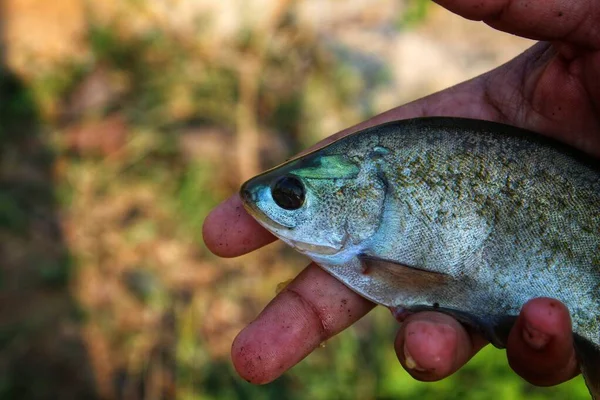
[(467, 217)]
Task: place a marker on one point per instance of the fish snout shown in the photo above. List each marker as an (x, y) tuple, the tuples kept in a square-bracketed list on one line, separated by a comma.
[(247, 195)]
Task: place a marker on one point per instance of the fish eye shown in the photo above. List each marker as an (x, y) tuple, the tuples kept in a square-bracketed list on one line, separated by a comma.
[(288, 192)]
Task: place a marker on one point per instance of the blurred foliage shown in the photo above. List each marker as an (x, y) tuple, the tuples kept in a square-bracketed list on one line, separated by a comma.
[(416, 12), (110, 163)]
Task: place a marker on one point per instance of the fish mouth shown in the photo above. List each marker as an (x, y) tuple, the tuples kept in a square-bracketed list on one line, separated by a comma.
[(309, 248), (275, 228), (246, 195)]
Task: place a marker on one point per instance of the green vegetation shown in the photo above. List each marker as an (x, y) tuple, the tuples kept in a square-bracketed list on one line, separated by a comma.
[(416, 12)]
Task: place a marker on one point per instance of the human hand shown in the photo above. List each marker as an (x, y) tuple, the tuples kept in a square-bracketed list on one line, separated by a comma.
[(554, 89)]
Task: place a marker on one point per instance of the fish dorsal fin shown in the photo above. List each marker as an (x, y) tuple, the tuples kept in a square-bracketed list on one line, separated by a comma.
[(588, 356), (403, 276)]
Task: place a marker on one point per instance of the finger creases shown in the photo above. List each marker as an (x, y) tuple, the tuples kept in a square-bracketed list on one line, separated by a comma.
[(551, 20), (310, 310), (540, 345)]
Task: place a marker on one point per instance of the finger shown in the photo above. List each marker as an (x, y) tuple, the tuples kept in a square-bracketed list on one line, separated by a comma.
[(432, 346), (229, 231), (540, 345), (310, 310), (548, 20)]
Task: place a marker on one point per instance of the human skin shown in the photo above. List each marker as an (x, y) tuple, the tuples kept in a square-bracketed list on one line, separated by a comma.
[(553, 88)]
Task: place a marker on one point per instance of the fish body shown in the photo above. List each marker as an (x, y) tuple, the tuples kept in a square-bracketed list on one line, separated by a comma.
[(467, 217)]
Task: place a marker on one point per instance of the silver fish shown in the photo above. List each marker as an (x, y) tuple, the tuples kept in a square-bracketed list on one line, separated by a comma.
[(467, 217)]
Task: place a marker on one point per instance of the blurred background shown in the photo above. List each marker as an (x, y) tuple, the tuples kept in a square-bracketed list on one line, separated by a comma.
[(122, 123)]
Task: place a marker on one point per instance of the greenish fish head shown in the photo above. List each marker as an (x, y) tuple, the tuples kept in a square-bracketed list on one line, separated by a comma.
[(325, 206)]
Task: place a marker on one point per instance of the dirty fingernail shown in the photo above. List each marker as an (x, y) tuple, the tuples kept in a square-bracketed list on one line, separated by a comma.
[(410, 362)]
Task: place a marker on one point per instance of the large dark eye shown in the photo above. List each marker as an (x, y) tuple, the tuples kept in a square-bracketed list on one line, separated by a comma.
[(288, 193)]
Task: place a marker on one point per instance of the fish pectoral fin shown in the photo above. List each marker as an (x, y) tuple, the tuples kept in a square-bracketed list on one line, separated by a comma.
[(405, 276), (588, 356)]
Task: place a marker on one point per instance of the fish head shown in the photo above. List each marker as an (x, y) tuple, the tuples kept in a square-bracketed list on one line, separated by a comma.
[(323, 204)]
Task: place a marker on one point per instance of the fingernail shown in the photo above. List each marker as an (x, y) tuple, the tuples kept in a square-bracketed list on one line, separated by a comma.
[(410, 362), (535, 338)]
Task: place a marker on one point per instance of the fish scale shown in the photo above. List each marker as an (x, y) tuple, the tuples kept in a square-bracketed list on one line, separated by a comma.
[(467, 217)]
